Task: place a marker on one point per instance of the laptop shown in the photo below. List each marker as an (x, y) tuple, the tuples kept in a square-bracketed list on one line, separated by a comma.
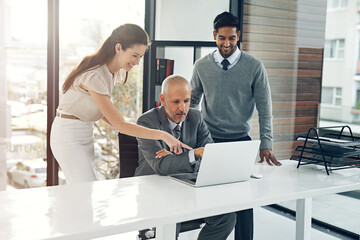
[(222, 163)]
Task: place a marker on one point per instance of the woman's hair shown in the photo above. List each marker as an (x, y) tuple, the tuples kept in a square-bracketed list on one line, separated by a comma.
[(127, 35)]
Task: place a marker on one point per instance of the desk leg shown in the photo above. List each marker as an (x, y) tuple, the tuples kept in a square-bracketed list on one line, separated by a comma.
[(303, 219), (166, 232)]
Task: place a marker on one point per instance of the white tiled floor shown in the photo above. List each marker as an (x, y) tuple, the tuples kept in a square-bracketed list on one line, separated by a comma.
[(269, 225), (335, 209)]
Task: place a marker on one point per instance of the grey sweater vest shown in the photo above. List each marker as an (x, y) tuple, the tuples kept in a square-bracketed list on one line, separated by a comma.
[(229, 97)]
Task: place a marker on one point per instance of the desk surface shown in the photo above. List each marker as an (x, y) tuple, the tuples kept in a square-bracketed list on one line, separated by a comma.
[(88, 210)]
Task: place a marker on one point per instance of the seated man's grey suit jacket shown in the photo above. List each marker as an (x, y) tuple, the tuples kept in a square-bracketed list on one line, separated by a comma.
[(194, 133)]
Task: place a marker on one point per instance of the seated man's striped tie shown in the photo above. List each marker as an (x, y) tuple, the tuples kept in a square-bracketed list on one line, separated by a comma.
[(177, 132)]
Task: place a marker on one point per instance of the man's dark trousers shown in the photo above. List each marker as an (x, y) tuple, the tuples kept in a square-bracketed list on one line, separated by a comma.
[(244, 228)]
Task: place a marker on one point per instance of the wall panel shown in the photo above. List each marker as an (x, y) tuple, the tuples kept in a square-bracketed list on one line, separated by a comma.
[(288, 36)]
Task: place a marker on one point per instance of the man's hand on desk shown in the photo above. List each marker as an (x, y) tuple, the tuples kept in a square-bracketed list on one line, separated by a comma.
[(162, 153), (269, 156), (198, 152)]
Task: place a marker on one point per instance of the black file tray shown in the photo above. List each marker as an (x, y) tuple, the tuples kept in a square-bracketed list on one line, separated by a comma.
[(334, 151)]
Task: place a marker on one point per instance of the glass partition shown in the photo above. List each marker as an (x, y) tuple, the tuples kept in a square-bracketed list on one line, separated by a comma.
[(82, 33), (312, 75), (25, 78)]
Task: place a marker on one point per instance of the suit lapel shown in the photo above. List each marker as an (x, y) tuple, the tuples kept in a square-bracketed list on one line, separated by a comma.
[(164, 124), (186, 131)]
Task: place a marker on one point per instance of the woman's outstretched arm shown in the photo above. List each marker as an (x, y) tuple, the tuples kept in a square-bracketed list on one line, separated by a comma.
[(115, 118)]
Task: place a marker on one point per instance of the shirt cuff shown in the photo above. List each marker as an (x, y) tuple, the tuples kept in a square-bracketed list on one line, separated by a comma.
[(192, 159)]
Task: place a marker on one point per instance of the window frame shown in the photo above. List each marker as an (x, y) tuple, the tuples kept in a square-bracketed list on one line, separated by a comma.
[(335, 96), (53, 63), (334, 49), (341, 4)]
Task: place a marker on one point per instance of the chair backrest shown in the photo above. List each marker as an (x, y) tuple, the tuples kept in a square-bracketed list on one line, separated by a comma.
[(128, 155)]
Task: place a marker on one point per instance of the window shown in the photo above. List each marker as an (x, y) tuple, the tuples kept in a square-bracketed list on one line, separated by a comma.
[(81, 33), (331, 96), (337, 4), (358, 56), (357, 103), (334, 48), (25, 77), (23, 52)]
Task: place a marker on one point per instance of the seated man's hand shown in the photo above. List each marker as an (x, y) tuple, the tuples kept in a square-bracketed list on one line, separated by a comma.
[(269, 156), (162, 153), (198, 152)]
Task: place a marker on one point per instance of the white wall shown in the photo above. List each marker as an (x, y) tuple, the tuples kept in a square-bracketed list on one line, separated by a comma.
[(335, 113), (186, 20)]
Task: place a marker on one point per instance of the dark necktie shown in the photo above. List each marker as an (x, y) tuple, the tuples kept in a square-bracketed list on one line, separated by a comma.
[(177, 131), (225, 64)]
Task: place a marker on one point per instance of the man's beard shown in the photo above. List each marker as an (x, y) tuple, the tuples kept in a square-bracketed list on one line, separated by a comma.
[(229, 54)]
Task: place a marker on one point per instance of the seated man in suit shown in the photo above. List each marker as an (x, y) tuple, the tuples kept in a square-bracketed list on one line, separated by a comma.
[(175, 117)]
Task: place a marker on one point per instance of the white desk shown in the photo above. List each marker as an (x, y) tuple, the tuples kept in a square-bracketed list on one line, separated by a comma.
[(89, 210)]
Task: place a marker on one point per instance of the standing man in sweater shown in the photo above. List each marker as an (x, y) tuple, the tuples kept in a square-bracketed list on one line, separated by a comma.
[(232, 83)]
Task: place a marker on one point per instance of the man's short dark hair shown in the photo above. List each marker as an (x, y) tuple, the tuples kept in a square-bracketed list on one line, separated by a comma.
[(226, 19)]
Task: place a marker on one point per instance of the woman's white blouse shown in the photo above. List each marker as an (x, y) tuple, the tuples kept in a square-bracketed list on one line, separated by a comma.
[(78, 102)]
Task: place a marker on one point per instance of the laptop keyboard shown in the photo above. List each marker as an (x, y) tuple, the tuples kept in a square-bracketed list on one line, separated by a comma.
[(186, 176), (192, 180)]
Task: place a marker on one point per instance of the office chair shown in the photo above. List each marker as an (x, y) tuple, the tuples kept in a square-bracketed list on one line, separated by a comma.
[(128, 154)]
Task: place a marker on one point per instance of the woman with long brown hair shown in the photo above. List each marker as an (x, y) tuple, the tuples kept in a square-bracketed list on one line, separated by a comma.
[(86, 98)]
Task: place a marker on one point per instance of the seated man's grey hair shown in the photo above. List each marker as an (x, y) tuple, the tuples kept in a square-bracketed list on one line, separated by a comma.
[(173, 79)]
